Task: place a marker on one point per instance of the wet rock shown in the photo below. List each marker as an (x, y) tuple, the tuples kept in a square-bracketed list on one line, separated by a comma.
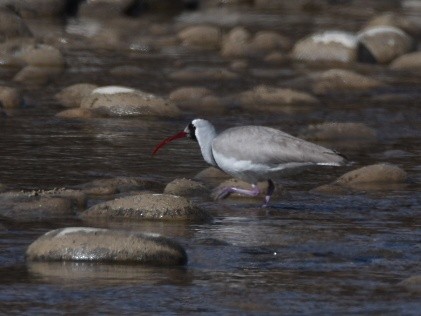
[(199, 73), (12, 50), (23, 206), (275, 58), (72, 96), (10, 98), (122, 101), (37, 75), (412, 283), (197, 99), (191, 93), (76, 197), (104, 245), (382, 173), (42, 56), (382, 44), (240, 43), (382, 176), (338, 131), (335, 80), (329, 46), (235, 43), (267, 41), (408, 62), (407, 23), (11, 25), (162, 207), (185, 187), (211, 173), (266, 96), (201, 36), (76, 113), (40, 8), (119, 185)]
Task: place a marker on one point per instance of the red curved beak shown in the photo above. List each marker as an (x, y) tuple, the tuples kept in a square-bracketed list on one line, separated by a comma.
[(167, 140)]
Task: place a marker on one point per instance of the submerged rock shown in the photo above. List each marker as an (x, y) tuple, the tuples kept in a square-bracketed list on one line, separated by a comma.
[(185, 187), (105, 245), (76, 113), (164, 207), (25, 206), (412, 283), (37, 75)]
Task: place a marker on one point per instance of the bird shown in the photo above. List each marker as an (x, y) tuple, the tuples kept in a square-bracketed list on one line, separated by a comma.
[(254, 154)]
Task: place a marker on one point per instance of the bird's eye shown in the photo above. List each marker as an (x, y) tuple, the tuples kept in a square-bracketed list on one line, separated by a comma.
[(192, 131)]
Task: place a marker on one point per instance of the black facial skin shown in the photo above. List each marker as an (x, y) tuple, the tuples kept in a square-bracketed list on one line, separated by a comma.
[(192, 131)]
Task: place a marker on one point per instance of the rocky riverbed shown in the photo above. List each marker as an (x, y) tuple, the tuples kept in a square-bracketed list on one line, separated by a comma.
[(91, 223)]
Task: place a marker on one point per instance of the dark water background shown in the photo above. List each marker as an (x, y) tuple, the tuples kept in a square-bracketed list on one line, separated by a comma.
[(307, 254)]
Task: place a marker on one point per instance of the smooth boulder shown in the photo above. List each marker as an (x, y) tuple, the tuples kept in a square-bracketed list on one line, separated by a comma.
[(408, 62), (201, 36), (107, 246), (122, 101), (72, 96), (185, 187)]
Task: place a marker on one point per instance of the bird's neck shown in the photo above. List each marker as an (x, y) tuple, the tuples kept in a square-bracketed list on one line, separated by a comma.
[(205, 138)]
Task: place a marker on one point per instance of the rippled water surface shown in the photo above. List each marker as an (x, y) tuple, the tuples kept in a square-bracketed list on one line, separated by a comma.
[(307, 254)]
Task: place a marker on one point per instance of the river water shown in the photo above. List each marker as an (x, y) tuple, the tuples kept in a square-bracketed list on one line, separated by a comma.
[(306, 254)]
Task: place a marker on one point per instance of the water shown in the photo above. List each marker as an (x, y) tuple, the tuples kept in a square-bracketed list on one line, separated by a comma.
[(307, 254)]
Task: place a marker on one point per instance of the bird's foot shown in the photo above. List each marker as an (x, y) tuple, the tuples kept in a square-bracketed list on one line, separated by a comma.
[(224, 192)]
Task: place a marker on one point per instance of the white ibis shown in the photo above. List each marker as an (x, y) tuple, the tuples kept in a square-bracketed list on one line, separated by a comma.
[(254, 153)]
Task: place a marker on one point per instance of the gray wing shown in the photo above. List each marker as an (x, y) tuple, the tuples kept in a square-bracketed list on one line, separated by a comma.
[(265, 145)]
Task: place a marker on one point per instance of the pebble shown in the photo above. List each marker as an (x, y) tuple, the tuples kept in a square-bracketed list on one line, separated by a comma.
[(106, 246)]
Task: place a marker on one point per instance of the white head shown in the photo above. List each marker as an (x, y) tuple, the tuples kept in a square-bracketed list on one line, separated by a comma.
[(199, 130)]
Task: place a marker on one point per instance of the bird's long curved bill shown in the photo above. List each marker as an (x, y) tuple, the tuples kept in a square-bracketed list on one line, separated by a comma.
[(167, 140)]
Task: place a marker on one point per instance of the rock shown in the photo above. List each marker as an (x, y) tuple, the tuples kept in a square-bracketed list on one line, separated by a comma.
[(412, 283), (330, 189), (77, 113), (409, 24), (408, 62), (11, 25), (328, 46), (12, 50), (276, 58), (266, 96), (201, 36), (37, 75), (72, 96), (382, 44), (40, 8), (335, 80), (211, 173), (378, 174), (236, 42), (119, 185), (10, 98), (76, 197), (267, 41), (105, 245), (335, 131), (239, 64), (191, 93), (185, 187), (240, 43), (148, 207), (122, 101), (23, 206), (42, 55)]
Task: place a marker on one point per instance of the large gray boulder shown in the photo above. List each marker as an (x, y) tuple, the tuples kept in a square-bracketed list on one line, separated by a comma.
[(104, 245)]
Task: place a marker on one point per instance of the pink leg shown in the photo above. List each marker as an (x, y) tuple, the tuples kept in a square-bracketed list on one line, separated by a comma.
[(227, 191)]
